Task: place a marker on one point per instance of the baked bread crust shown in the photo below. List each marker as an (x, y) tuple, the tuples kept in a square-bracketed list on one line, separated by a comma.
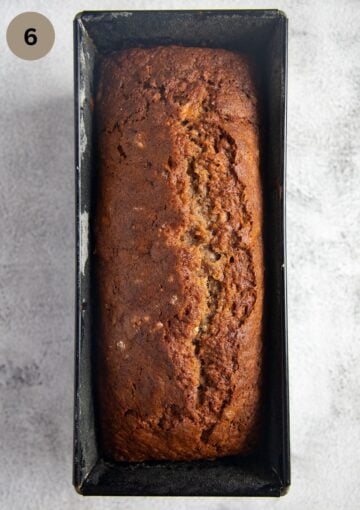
[(178, 243)]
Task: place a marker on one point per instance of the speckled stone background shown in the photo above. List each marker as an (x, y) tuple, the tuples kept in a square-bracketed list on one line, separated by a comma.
[(37, 262)]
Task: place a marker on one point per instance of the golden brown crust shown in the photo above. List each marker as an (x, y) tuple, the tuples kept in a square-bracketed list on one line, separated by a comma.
[(179, 251)]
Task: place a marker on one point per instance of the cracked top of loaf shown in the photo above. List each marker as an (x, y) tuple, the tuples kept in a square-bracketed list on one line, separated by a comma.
[(178, 240)]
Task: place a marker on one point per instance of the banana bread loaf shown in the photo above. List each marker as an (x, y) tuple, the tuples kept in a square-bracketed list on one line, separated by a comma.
[(179, 256)]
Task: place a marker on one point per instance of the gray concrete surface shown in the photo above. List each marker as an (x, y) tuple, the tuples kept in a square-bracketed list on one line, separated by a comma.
[(37, 262)]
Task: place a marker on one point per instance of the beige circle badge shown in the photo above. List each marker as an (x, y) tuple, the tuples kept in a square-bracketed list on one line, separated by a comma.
[(30, 35)]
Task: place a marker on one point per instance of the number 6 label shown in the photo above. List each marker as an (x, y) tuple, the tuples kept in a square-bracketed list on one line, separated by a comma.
[(30, 35)]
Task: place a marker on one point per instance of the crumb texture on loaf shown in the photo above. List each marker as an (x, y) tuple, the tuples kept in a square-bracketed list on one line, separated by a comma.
[(179, 254)]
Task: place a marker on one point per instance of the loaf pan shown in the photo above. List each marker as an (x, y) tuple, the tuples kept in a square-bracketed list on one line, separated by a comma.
[(263, 35)]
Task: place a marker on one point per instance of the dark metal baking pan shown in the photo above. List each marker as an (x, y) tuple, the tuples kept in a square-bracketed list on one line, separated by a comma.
[(263, 35)]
